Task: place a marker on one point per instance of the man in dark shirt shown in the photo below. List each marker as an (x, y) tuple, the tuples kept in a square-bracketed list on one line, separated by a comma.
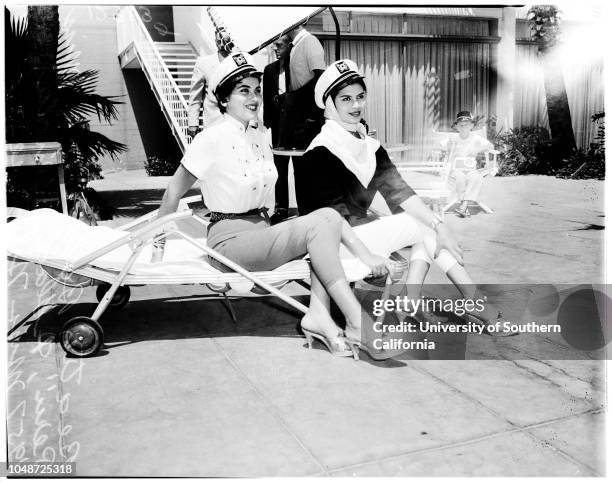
[(302, 118), (275, 83)]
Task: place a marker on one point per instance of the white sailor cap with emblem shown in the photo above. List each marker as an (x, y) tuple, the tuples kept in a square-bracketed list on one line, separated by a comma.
[(336, 74), (238, 64)]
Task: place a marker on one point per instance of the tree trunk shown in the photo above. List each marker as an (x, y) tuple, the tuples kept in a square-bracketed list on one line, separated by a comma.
[(559, 116), (43, 26)]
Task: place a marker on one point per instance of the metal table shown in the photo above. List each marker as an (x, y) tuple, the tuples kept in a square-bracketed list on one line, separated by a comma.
[(39, 154)]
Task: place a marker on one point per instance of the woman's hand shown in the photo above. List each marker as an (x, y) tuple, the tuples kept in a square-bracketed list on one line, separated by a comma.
[(378, 265), (446, 240)]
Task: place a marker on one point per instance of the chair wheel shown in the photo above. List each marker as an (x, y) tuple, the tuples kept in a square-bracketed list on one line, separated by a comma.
[(119, 300), (81, 336)]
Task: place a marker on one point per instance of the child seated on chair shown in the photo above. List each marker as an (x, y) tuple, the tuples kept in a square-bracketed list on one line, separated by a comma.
[(467, 145)]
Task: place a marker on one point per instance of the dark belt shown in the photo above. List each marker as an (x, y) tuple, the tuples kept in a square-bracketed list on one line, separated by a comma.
[(216, 216)]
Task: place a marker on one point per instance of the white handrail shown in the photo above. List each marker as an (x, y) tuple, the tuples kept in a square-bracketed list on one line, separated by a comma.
[(131, 29)]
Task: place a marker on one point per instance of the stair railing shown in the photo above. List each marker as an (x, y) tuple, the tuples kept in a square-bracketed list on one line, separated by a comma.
[(131, 29)]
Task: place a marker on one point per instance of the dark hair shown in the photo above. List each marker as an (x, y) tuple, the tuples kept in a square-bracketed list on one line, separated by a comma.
[(349, 82), (224, 90)]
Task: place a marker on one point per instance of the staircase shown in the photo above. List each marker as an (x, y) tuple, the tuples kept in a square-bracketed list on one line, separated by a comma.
[(180, 59), (168, 66)]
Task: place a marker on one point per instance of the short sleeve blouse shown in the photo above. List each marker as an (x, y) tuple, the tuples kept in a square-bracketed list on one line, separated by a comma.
[(468, 147), (235, 166)]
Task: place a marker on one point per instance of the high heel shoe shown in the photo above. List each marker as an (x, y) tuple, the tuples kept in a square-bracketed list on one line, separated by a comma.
[(376, 354), (336, 345), (356, 344)]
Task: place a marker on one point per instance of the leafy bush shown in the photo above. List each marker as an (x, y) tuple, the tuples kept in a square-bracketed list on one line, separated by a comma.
[(78, 166), (592, 163), (525, 150), (583, 165), (157, 166), (598, 146), (528, 150)]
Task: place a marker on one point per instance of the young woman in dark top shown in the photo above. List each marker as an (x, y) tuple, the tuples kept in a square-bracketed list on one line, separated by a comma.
[(343, 168)]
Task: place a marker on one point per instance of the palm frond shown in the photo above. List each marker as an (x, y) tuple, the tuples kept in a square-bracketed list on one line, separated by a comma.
[(66, 57), (15, 26), (17, 45), (91, 144), (76, 91)]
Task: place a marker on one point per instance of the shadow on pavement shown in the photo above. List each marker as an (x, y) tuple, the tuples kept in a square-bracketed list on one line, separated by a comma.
[(159, 319), (156, 320)]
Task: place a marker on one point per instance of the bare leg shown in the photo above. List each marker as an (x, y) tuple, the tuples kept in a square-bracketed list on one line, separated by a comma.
[(460, 184), (460, 187), (473, 186), (416, 276), (462, 280), (318, 318), (344, 297)]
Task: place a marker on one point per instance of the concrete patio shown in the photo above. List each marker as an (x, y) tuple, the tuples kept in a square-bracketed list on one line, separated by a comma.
[(180, 390)]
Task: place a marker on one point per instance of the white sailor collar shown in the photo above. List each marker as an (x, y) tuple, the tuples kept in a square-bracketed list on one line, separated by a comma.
[(235, 123)]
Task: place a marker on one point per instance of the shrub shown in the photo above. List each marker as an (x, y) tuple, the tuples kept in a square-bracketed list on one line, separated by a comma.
[(583, 165), (528, 150), (525, 150), (157, 166), (598, 146), (592, 163)]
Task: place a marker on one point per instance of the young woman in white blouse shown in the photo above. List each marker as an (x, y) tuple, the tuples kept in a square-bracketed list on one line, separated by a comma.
[(235, 165)]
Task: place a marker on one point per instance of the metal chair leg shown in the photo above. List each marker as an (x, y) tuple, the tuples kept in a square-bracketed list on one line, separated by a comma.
[(449, 205), (228, 305), (485, 208)]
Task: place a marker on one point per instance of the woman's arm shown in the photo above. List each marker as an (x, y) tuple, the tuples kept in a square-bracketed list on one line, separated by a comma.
[(378, 265), (397, 193), (180, 182), (389, 182)]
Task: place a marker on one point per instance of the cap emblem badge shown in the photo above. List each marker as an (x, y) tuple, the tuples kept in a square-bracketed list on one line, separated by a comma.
[(342, 67), (239, 59)]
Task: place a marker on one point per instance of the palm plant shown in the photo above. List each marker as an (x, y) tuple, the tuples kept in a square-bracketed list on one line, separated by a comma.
[(16, 42), (60, 112)]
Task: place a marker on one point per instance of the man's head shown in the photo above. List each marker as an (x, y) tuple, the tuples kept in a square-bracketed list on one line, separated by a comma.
[(292, 34), (282, 47)]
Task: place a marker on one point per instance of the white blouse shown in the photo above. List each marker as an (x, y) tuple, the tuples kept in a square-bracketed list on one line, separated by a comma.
[(468, 147), (235, 166)]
